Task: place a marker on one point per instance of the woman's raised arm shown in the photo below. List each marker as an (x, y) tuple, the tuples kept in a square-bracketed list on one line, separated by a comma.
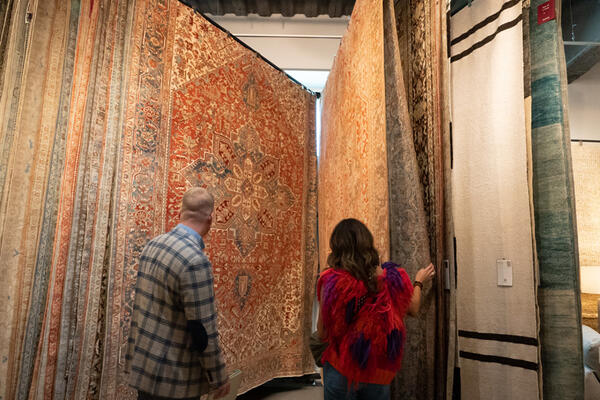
[(424, 275)]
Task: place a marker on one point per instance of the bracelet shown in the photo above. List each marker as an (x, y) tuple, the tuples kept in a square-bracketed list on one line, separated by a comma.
[(419, 284)]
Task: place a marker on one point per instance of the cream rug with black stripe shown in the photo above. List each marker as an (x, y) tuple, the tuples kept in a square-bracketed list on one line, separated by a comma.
[(498, 330)]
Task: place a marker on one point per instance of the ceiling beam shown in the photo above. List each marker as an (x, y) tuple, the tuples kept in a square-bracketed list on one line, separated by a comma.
[(265, 8), (209, 6), (311, 8), (336, 8), (238, 7), (348, 7), (287, 8)]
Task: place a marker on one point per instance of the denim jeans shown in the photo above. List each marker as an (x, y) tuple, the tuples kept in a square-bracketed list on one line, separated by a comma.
[(336, 387)]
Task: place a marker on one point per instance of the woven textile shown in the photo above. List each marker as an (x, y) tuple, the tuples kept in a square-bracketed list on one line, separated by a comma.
[(497, 326), (409, 240), (206, 111), (72, 337), (30, 142), (353, 177), (555, 227), (420, 40), (98, 146), (586, 175), (418, 25)]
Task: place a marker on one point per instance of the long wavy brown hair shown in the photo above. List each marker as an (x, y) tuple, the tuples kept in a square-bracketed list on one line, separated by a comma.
[(352, 250)]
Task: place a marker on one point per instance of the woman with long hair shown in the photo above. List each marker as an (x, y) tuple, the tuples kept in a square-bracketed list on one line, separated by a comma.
[(361, 318)]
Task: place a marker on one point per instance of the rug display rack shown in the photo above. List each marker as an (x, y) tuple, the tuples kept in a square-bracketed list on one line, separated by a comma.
[(447, 134)]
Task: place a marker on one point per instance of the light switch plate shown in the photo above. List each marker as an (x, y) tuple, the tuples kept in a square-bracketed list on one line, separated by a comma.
[(505, 275)]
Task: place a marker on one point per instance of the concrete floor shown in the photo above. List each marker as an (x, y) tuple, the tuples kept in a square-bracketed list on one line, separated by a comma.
[(305, 393), (287, 389)]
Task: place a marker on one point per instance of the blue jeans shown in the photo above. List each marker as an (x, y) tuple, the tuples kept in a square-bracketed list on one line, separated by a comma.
[(336, 387)]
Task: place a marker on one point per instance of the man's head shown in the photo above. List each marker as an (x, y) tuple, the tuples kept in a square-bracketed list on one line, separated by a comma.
[(197, 207)]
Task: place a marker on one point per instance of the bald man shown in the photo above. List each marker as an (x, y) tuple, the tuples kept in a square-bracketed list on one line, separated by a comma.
[(173, 350)]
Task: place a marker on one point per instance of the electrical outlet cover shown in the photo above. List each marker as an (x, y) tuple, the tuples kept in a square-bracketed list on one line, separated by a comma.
[(505, 275)]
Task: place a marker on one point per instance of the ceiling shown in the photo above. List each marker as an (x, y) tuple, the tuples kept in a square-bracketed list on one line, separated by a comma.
[(581, 34), (580, 21), (265, 8)]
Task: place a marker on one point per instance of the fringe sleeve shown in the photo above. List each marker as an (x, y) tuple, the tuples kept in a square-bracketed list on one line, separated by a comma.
[(324, 276), (336, 290), (399, 286)]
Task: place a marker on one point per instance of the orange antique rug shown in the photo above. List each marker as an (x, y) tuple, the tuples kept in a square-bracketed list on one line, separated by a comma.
[(203, 110), (353, 173)]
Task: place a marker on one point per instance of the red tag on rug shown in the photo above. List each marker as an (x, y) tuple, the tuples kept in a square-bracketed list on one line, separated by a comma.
[(546, 12)]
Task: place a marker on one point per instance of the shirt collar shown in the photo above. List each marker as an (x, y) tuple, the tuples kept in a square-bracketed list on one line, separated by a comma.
[(193, 233)]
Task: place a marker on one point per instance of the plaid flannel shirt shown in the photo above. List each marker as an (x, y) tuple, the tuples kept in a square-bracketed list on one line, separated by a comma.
[(174, 285)]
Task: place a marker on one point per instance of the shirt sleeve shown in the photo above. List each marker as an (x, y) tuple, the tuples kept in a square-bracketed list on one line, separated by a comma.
[(198, 298)]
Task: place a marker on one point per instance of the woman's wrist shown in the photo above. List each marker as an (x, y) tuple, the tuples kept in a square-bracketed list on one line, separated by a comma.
[(418, 284)]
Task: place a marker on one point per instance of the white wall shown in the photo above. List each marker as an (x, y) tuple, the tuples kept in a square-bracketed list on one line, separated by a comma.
[(289, 42), (584, 105)]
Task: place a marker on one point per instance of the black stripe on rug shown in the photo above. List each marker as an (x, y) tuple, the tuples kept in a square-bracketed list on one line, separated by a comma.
[(499, 337), (488, 39), (483, 23), (512, 362)]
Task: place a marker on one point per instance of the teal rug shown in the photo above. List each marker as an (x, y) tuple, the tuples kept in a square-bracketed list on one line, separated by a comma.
[(555, 225)]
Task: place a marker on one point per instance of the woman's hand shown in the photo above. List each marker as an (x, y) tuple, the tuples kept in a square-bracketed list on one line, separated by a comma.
[(426, 274)]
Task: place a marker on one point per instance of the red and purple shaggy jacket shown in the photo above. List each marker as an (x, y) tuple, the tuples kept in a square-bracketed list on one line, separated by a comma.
[(365, 332)]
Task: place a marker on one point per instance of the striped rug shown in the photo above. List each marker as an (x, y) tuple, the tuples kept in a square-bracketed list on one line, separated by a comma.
[(497, 325)]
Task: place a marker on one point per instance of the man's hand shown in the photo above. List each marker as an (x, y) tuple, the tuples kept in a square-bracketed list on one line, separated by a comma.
[(221, 391)]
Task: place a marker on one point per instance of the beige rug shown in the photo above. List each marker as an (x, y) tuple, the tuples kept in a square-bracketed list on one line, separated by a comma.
[(586, 178), (497, 327)]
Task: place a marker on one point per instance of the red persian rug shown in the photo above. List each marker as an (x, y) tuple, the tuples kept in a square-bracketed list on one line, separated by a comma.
[(203, 110)]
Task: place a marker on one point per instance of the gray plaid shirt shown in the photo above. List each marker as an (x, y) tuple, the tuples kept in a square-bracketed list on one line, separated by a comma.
[(174, 285)]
